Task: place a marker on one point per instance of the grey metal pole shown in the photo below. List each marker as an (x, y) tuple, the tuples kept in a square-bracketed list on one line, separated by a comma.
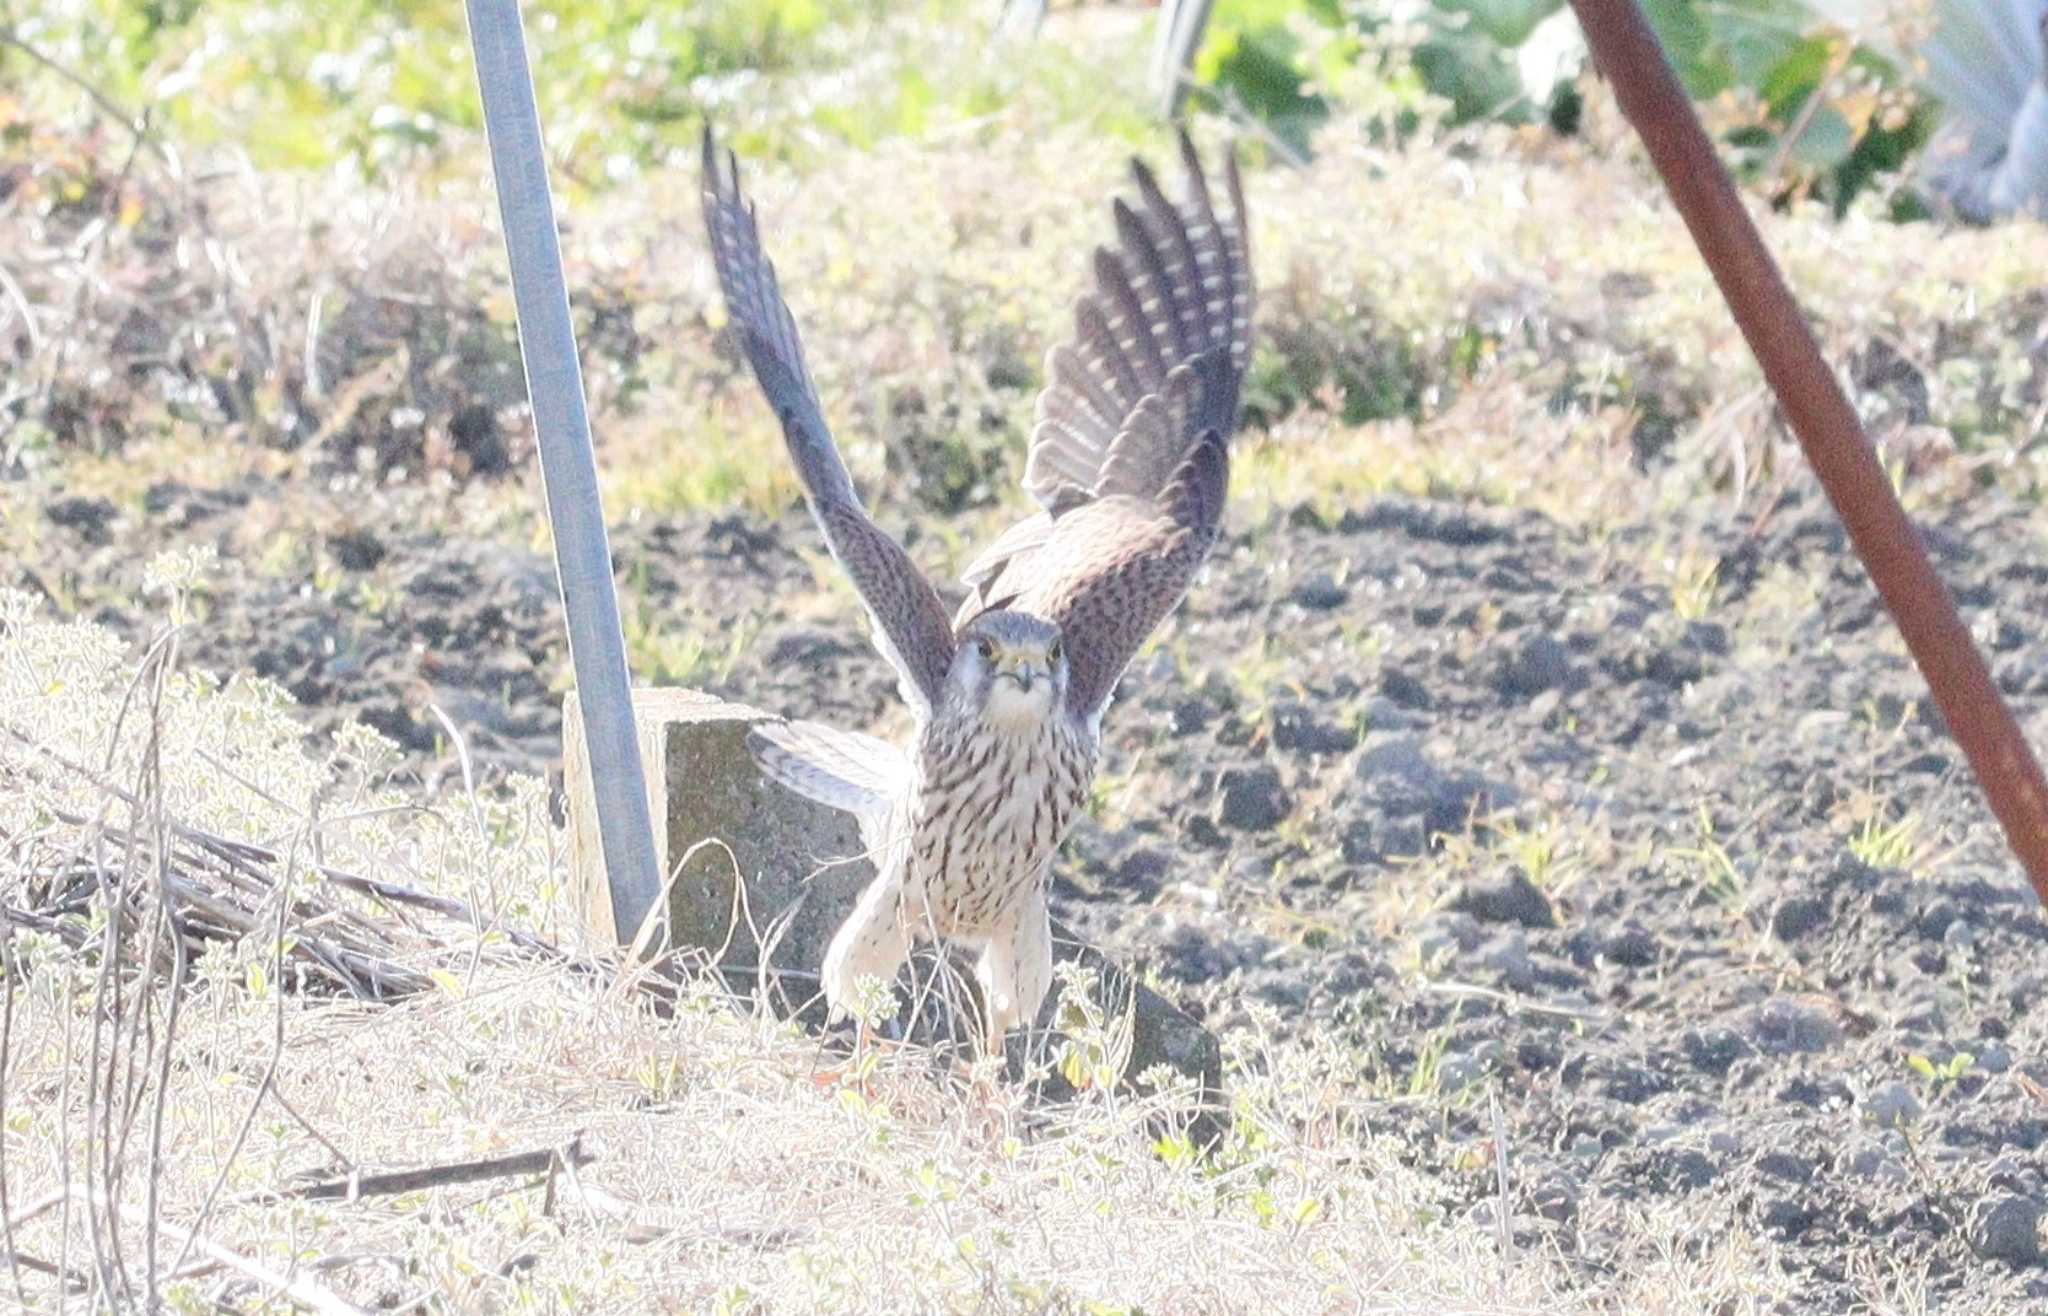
[(554, 382), (1179, 35)]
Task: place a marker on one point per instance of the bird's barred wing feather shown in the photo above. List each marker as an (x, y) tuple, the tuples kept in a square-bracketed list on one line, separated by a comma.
[(1129, 453), (910, 625), (1115, 567), (844, 769), (1117, 414)]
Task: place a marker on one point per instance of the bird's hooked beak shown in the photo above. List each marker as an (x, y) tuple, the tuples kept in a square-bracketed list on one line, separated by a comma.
[(1019, 668)]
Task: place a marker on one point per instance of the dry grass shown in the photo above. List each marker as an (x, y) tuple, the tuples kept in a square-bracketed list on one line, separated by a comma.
[(1469, 316), (720, 1176)]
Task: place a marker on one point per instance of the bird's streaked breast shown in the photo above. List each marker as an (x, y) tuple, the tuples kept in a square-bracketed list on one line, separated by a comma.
[(993, 809)]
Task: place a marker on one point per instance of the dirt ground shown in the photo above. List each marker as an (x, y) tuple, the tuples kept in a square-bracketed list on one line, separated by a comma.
[(1690, 882)]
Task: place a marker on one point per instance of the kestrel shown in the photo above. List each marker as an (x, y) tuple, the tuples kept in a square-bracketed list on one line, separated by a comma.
[(1128, 462)]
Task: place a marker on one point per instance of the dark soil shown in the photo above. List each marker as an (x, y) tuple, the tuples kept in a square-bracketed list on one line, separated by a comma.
[(1482, 806)]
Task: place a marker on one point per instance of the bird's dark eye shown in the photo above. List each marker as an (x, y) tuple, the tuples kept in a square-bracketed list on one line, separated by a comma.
[(987, 648), (1054, 650)]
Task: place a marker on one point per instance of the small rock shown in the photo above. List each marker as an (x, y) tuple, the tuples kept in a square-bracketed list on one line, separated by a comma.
[(1191, 716), (1784, 1165), (357, 550), (1321, 593), (1867, 1158), (1934, 919), (1356, 842), (1216, 688), (1402, 783), (1725, 1142), (1707, 636), (1993, 1058), (1305, 516), (1461, 1069), (1510, 898), (1400, 760), (1201, 832), (1891, 1105), (1445, 933), (1404, 689), (2013, 1170), (1712, 1049), (1786, 1217), (1782, 1025), (1687, 1169), (1823, 1092), (1385, 838), (1142, 871), (1556, 1199), (89, 516), (2008, 1229), (1634, 946), (1253, 800), (2023, 990), (1384, 713), (1538, 664), (1298, 730), (1796, 916), (1507, 955)]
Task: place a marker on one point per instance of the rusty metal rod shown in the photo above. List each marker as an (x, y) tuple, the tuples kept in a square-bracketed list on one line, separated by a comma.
[(1626, 52)]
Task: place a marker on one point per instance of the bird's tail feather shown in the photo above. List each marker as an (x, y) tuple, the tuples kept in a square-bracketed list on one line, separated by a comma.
[(844, 769)]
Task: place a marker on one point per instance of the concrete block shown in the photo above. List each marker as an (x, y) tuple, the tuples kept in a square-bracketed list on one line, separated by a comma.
[(754, 863), (747, 861)]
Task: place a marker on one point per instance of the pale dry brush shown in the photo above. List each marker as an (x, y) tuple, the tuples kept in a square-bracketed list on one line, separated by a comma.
[(719, 1172)]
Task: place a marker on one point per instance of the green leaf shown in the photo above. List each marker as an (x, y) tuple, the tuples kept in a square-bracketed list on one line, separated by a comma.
[(1688, 45), (1505, 22), (1074, 1068), (1798, 71), (1826, 141)]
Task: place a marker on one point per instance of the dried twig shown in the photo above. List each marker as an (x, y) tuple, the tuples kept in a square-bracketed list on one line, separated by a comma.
[(26, 309), (299, 1289), (270, 1069), (73, 1281), (10, 969), (357, 1186), (1513, 1001), (136, 124)]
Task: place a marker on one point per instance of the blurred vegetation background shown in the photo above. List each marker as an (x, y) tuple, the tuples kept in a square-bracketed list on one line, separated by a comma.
[(373, 86), (258, 234)]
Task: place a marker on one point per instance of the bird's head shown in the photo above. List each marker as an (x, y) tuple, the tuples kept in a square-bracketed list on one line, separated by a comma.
[(1010, 669)]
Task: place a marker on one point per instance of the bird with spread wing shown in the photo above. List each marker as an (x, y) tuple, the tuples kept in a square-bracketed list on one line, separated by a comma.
[(1128, 462)]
